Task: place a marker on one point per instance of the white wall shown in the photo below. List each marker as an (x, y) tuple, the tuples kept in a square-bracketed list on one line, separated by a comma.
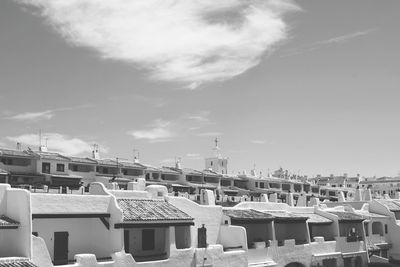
[(209, 215), (17, 242), (86, 235)]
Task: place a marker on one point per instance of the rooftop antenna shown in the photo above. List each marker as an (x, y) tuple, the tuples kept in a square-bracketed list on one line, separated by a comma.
[(40, 138)]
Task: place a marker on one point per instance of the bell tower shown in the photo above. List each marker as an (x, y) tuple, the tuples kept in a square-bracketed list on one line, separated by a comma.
[(217, 163)]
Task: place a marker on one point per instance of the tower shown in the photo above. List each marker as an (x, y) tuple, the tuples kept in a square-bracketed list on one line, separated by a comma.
[(95, 152), (217, 163)]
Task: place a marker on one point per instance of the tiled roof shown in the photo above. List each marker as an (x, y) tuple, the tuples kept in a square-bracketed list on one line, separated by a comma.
[(69, 204), (16, 262), (315, 218), (188, 171), (284, 215), (168, 170), (135, 165), (390, 204), (82, 160), (247, 214), (347, 216), (392, 180), (17, 153), (142, 210), (51, 156), (210, 173), (6, 222)]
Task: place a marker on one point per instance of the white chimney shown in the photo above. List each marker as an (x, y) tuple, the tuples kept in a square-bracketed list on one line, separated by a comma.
[(19, 147)]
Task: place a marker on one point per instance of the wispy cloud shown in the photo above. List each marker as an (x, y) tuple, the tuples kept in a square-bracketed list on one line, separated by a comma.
[(202, 116), (43, 115), (258, 142), (209, 134), (160, 131), (56, 142), (344, 38), (33, 116), (328, 42), (176, 40)]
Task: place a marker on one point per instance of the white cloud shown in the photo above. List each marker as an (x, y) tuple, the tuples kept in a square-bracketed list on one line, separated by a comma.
[(176, 40), (44, 115), (258, 142), (55, 142), (33, 116), (159, 132)]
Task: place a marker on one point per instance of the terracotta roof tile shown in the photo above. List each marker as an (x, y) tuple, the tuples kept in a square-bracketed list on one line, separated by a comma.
[(6, 222), (137, 210), (17, 153), (315, 218), (16, 262), (285, 215), (247, 214), (347, 216)]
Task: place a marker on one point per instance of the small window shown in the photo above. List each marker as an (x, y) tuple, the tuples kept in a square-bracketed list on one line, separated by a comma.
[(262, 185), (148, 239), (256, 184), (60, 167), (386, 229), (211, 163), (35, 234)]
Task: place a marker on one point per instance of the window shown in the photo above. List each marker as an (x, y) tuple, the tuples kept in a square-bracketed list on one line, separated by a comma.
[(60, 167), (261, 185), (46, 167), (377, 228), (148, 239), (386, 229), (256, 184), (73, 167), (211, 163)]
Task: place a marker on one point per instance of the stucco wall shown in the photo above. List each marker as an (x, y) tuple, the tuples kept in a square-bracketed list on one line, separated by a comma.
[(208, 215), (135, 241), (17, 242), (40, 254), (231, 236), (86, 235)]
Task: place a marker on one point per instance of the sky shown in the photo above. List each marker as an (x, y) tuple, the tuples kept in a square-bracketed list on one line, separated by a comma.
[(310, 86)]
